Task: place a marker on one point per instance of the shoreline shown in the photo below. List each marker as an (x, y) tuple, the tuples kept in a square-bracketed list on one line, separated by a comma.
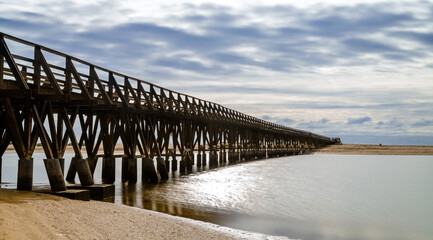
[(363, 149), (32, 215)]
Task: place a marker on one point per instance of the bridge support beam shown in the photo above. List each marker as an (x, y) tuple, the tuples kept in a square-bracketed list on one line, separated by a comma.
[(129, 170), (55, 175), (25, 174)]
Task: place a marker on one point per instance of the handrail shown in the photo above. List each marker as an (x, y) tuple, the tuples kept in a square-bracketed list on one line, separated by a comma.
[(130, 93)]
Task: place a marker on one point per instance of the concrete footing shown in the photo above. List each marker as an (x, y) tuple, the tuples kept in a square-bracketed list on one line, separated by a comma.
[(55, 175), (148, 171), (25, 174), (97, 191), (77, 194), (108, 170), (162, 169)]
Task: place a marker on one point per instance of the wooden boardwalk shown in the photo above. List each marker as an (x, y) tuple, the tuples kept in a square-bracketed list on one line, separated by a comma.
[(54, 99)]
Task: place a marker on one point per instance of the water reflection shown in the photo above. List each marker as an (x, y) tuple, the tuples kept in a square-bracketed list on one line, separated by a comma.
[(307, 197)]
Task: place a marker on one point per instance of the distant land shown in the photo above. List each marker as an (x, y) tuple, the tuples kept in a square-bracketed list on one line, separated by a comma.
[(332, 149), (376, 149)]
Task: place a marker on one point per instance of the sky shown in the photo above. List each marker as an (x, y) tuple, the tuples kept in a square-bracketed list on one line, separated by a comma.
[(358, 70)]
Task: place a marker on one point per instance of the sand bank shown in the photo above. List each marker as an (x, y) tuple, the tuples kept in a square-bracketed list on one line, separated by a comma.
[(360, 149), (30, 215)]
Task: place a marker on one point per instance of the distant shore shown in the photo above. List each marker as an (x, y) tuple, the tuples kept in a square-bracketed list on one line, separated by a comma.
[(360, 149), (332, 149)]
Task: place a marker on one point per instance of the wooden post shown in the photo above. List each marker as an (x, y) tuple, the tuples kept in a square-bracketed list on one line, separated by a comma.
[(1, 70)]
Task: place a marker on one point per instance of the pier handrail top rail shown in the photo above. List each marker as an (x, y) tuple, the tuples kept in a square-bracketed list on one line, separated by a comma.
[(273, 126)]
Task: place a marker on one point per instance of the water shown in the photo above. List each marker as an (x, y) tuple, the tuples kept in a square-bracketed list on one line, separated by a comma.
[(306, 197)]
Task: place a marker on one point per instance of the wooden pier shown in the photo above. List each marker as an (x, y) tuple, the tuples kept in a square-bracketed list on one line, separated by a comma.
[(50, 98)]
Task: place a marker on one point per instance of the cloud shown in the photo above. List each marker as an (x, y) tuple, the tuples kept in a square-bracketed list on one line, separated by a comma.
[(284, 63), (361, 120), (423, 123)]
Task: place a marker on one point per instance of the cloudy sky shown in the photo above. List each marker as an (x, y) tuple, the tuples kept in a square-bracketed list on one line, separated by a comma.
[(362, 70)]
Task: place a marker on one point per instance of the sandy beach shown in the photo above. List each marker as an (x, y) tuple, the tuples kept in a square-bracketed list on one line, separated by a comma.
[(31, 215)]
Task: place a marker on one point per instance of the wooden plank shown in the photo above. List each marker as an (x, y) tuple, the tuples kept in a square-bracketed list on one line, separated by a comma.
[(132, 91), (113, 81), (153, 93), (1, 70), (12, 65), (70, 130), (175, 101), (42, 134), (71, 68), (36, 73), (4, 143), (146, 97), (14, 129), (27, 125), (54, 143), (40, 59), (65, 137), (35, 135), (95, 77)]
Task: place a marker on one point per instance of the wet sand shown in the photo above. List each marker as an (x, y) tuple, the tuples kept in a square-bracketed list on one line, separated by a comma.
[(31, 215), (360, 149)]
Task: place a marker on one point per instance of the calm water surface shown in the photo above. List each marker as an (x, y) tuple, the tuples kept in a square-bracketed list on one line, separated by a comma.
[(306, 197)]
